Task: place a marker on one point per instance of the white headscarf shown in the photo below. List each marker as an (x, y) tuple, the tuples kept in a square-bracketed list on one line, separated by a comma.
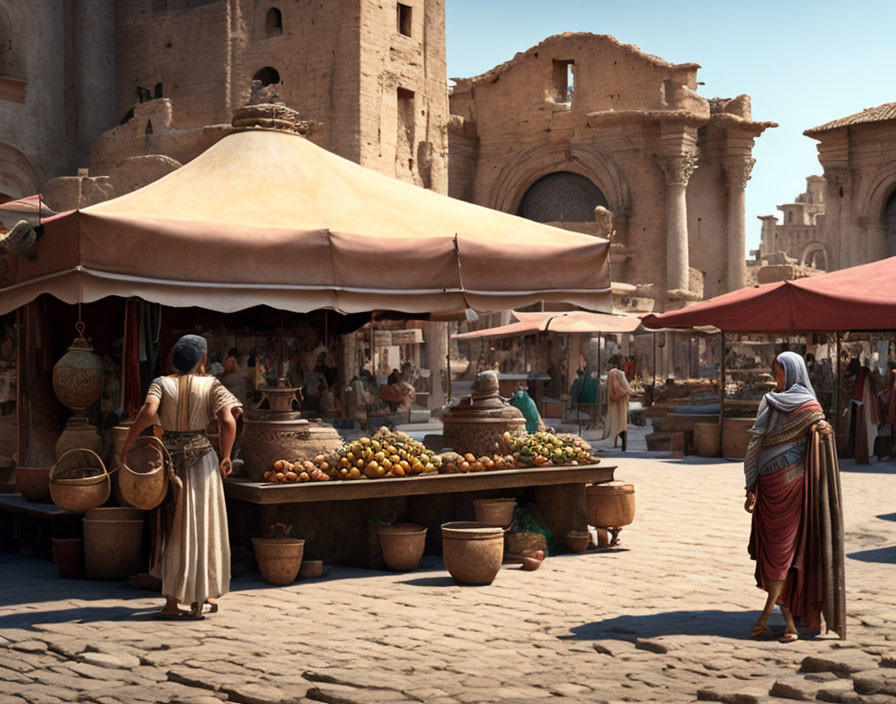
[(797, 390)]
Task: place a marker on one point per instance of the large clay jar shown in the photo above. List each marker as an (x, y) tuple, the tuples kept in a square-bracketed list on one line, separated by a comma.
[(279, 559), (473, 552), (610, 505), (79, 434), (34, 483), (476, 424), (402, 545), (494, 512), (78, 376)]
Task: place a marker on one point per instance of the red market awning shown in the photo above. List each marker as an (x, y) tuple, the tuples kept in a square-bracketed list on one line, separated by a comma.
[(576, 321), (859, 298)]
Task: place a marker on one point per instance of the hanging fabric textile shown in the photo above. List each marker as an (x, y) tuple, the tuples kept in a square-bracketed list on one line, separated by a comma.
[(130, 373)]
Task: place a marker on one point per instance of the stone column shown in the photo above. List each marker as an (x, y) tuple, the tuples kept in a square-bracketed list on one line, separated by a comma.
[(678, 170), (737, 173), (436, 337)]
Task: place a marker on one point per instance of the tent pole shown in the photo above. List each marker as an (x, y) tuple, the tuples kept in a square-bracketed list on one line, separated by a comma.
[(722, 391), (600, 408), (372, 346), (21, 431), (653, 384), (447, 360), (837, 388)]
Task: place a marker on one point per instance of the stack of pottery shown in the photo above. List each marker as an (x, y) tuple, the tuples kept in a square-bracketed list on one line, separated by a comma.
[(478, 422), (274, 430), (78, 383)]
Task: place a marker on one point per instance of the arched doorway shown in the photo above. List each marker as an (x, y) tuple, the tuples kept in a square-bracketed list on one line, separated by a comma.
[(267, 75), (562, 196), (815, 255), (890, 219)]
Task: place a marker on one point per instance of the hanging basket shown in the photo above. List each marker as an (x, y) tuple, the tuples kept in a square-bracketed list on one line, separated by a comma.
[(144, 473), (79, 481)]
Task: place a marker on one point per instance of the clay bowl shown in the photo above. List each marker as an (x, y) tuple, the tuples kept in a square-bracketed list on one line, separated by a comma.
[(577, 540), (34, 483), (473, 552), (311, 569), (402, 545), (494, 512)]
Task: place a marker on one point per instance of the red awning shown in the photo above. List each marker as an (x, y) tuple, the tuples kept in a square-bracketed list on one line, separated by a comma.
[(859, 298)]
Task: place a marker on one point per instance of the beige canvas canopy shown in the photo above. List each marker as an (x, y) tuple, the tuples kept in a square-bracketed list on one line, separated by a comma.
[(268, 218), (576, 321)]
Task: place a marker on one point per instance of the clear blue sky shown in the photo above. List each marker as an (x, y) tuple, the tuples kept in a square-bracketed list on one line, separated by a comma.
[(803, 63)]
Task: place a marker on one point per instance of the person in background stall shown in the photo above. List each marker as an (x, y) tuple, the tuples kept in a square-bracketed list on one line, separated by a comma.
[(192, 553), (234, 377), (793, 493), (398, 395), (618, 392)]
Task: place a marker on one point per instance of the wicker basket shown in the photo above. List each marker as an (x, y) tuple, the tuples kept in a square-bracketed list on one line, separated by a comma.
[(518, 544), (79, 481), (144, 472)]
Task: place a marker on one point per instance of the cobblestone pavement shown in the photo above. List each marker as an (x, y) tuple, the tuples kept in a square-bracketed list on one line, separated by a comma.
[(663, 621)]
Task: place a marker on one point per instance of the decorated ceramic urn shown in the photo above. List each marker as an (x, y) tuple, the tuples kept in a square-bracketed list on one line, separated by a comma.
[(478, 421)]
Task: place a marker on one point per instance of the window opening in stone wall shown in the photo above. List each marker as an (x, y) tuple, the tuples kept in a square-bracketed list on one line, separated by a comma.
[(564, 77), (562, 196), (404, 19), (158, 91), (273, 23), (405, 138), (267, 75)]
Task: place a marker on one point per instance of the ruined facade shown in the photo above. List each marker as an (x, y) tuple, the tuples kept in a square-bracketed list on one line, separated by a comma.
[(858, 153), (798, 236), (134, 88), (580, 121)]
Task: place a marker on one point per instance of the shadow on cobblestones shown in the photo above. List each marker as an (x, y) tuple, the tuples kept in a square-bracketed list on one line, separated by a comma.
[(80, 614), (432, 582), (884, 555), (887, 516), (722, 624), (878, 468)]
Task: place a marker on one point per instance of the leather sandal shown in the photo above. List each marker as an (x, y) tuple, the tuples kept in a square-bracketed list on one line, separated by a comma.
[(762, 632), (790, 637)]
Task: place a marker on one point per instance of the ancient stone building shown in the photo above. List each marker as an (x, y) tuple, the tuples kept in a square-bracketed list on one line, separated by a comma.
[(797, 236), (858, 153), (580, 121), (169, 74)]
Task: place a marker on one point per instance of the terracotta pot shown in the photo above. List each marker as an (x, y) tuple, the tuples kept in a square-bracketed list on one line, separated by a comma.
[(311, 569), (143, 475), (78, 433), (119, 437), (577, 541), (279, 559), (34, 483), (68, 553), (473, 552), (112, 546), (494, 512), (79, 481), (78, 376), (707, 439), (402, 545), (610, 505), (114, 513)]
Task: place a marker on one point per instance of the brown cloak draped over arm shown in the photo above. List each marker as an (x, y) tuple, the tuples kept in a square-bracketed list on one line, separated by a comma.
[(824, 588)]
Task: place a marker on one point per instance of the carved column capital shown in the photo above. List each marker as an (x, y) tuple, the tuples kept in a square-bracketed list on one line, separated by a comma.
[(738, 172), (678, 168)]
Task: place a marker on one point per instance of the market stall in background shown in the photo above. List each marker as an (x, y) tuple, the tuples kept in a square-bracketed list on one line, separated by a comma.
[(319, 313)]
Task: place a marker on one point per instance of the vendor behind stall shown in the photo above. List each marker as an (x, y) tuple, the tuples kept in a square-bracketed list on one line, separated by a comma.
[(397, 394)]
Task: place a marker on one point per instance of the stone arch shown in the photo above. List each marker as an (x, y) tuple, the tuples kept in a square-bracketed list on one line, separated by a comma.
[(562, 196), (815, 254), (877, 205), (267, 75), (18, 178), (519, 174)]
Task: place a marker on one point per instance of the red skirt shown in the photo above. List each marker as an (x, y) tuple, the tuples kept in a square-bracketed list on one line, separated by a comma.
[(777, 525)]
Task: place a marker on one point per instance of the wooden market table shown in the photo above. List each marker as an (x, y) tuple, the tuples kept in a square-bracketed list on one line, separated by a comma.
[(334, 517), (29, 525)]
